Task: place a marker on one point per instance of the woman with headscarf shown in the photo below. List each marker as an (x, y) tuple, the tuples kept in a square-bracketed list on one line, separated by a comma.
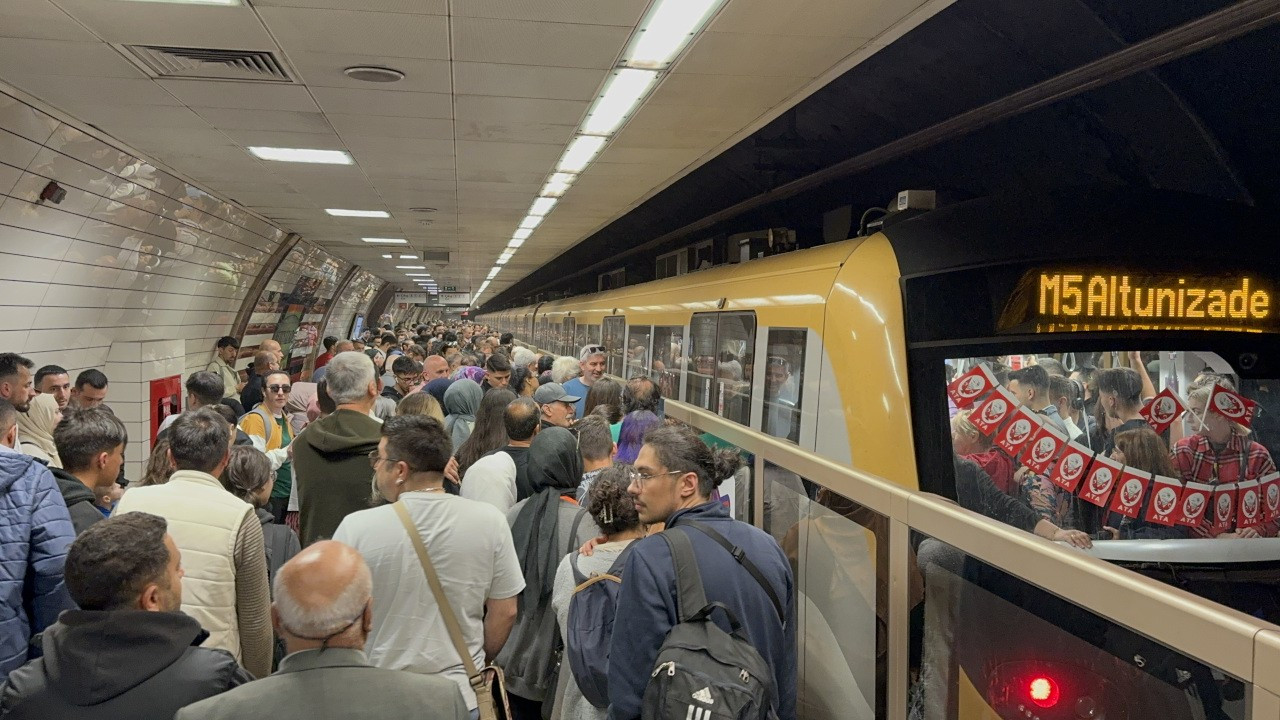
[(469, 372), (461, 401), (35, 429), (545, 526), (301, 396)]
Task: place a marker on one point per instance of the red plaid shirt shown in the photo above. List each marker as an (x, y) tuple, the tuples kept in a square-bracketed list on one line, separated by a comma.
[(1196, 459)]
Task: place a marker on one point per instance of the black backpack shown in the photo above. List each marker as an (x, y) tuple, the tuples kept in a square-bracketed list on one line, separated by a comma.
[(702, 672), (590, 627)]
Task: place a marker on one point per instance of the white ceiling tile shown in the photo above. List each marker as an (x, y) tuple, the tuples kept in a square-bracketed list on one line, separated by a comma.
[(724, 91), (497, 110), (170, 24), (515, 132), (376, 144), (532, 43), (271, 120), (787, 56), (326, 70), (813, 18), (118, 117), (421, 7), (356, 33), (80, 92), (531, 81), (240, 95), (383, 103), (39, 19), (384, 126), (614, 12), (58, 57), (516, 153)]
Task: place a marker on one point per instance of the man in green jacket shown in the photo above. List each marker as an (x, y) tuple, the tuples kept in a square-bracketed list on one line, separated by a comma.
[(331, 457), (224, 364)]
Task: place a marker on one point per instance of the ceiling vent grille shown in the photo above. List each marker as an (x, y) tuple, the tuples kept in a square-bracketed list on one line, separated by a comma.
[(209, 63)]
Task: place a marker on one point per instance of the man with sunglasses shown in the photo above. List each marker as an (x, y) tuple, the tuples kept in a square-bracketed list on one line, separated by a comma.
[(271, 433), (592, 360)]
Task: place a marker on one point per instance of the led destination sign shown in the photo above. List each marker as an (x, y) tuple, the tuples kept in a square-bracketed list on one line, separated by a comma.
[(1081, 300)]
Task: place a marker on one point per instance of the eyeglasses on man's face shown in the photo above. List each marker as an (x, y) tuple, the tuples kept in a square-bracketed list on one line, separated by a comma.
[(640, 478), (279, 388)]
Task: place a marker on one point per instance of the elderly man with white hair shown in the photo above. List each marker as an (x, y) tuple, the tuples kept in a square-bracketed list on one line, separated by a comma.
[(323, 610), (331, 457)]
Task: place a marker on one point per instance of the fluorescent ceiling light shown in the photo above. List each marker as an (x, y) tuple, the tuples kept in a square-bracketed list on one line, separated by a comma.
[(424, 275), (558, 184), (624, 92), (301, 155), (341, 213), (386, 241), (531, 222), (411, 267), (515, 243), (226, 3), (338, 212), (580, 153), (522, 234), (408, 256), (667, 30), (503, 258), (492, 273), (542, 206), (386, 257)]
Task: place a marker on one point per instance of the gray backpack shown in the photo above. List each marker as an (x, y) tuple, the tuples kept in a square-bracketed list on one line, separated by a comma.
[(702, 672)]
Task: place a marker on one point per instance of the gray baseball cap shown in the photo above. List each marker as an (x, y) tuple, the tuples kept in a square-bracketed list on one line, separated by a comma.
[(552, 392)]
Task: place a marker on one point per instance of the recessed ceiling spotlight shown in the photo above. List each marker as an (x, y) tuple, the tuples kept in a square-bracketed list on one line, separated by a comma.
[(373, 73)]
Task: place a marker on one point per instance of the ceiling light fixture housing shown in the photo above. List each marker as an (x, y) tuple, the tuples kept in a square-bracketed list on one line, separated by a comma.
[(339, 212), (374, 74), (301, 155), (386, 241)]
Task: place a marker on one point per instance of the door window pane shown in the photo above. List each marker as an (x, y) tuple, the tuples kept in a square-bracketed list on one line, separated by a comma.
[(569, 339), (784, 383), (735, 355), (614, 327), (637, 357), (702, 366), (667, 359)]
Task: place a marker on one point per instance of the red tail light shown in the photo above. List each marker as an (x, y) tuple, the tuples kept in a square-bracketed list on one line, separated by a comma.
[(1043, 691)]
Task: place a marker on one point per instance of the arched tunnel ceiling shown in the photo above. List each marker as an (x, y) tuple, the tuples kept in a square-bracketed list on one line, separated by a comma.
[(1205, 123)]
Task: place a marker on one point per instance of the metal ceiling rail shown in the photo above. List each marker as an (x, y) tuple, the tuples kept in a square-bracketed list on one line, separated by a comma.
[(1202, 33), (1184, 622)]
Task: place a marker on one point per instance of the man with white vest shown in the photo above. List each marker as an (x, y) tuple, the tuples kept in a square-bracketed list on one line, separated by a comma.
[(220, 538)]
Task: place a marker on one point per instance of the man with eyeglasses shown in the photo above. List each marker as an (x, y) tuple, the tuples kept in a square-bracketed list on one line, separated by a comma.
[(673, 481), (269, 429), (592, 361), (408, 374)]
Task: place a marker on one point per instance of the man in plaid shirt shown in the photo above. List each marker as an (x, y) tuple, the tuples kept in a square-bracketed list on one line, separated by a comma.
[(1220, 453)]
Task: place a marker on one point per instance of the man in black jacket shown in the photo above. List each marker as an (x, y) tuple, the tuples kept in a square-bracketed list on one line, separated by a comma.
[(128, 652), (91, 444)]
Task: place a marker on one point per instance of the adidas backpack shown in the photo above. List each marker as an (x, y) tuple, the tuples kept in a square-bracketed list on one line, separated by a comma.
[(702, 672), (592, 609)]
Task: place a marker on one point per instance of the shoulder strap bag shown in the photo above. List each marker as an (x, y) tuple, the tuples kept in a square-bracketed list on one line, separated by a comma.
[(488, 682)]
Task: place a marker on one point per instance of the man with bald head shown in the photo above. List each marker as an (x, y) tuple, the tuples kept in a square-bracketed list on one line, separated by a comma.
[(323, 610), (434, 368)]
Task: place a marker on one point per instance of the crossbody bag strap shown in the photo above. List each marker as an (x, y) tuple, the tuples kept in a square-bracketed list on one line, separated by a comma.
[(573, 531), (741, 556), (691, 597), (446, 610)]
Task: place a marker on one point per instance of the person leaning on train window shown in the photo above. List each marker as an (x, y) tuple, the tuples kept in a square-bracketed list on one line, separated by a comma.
[(1140, 449), (1217, 451), (969, 443), (976, 492)]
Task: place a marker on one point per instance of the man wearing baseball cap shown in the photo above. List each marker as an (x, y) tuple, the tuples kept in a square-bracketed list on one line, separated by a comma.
[(592, 360), (557, 406)]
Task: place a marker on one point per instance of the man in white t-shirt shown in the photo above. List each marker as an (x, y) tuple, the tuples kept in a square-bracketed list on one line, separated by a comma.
[(469, 544)]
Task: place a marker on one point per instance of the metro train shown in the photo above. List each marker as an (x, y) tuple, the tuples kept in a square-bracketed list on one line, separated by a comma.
[(846, 349)]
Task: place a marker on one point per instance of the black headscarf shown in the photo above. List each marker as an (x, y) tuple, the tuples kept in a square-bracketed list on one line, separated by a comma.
[(555, 469)]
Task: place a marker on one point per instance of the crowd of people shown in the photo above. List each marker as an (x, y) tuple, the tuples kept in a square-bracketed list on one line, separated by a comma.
[(435, 522)]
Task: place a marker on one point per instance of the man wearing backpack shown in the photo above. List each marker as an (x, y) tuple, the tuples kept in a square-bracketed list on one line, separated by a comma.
[(733, 564)]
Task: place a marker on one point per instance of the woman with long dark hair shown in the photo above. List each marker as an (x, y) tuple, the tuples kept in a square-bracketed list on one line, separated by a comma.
[(490, 431)]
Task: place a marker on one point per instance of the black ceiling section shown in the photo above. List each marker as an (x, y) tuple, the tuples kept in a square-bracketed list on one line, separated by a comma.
[(1205, 124)]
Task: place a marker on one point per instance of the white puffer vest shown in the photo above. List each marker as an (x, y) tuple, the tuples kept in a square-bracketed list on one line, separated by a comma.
[(204, 520)]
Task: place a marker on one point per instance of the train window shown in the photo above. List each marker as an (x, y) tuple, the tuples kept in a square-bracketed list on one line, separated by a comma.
[(542, 338), (668, 358), (614, 328), (637, 355), (1049, 657), (570, 340), (593, 335), (784, 383), (1130, 447), (723, 355), (580, 336)]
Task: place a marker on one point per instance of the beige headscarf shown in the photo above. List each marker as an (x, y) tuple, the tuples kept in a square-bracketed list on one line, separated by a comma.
[(35, 429)]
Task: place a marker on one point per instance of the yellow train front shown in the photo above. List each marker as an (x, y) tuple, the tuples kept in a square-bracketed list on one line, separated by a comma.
[(846, 349)]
